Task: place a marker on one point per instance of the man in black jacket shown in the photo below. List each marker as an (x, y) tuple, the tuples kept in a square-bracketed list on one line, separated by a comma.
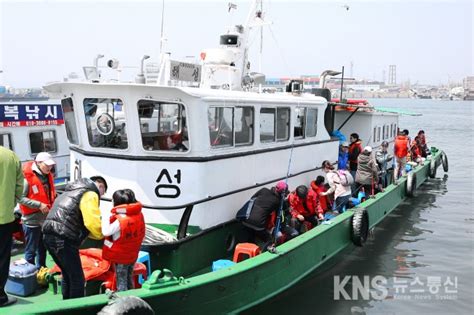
[(74, 216), (262, 217)]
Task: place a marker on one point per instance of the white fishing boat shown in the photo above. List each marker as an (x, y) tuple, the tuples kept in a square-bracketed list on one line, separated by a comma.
[(197, 143)]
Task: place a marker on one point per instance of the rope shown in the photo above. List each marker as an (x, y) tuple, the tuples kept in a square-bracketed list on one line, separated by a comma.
[(155, 236)]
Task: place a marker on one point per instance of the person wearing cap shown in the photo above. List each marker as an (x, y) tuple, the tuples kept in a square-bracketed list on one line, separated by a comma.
[(262, 217), (342, 193), (304, 207), (383, 157), (367, 171), (11, 187), (38, 196), (343, 160), (74, 216)]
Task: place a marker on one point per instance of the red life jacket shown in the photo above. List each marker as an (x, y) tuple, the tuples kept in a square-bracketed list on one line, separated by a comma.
[(401, 146), (124, 250), (36, 189), (352, 147), (323, 200)]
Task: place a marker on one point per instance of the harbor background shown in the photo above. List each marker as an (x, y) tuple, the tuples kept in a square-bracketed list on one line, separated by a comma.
[(431, 235)]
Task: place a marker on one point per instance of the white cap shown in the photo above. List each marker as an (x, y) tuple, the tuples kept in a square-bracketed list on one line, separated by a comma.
[(368, 149), (46, 158), (345, 144)]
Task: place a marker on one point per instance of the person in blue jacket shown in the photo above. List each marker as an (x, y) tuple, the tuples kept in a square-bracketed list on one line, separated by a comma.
[(343, 160)]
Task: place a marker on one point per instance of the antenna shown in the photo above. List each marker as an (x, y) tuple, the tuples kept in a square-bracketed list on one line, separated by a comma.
[(162, 26)]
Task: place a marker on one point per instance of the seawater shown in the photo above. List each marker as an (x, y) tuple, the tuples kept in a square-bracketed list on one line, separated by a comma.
[(424, 242)]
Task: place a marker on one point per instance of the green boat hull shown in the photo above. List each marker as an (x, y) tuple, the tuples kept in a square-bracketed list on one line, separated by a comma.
[(242, 285)]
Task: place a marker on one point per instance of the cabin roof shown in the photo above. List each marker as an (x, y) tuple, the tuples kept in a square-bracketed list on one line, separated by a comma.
[(206, 94)]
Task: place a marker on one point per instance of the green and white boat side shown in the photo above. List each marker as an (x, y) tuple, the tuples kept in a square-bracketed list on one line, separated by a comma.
[(251, 281)]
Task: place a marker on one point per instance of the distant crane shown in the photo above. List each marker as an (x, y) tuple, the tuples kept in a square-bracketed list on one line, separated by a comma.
[(346, 6)]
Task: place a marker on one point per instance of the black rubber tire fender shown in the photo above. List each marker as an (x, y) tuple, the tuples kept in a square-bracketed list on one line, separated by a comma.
[(433, 168), (360, 226), (127, 305), (411, 184), (444, 161)]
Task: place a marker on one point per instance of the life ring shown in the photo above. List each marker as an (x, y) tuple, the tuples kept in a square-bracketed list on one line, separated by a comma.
[(433, 168), (444, 161), (411, 184), (360, 226), (127, 305)]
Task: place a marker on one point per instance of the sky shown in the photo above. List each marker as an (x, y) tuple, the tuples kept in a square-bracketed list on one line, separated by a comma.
[(430, 42)]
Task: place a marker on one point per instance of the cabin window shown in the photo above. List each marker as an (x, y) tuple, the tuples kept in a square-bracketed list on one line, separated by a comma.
[(378, 134), (6, 140), (299, 129), (391, 130), (311, 122), (386, 132), (163, 126), (375, 135), (267, 124), (394, 130), (383, 132), (105, 121), (220, 126), (283, 124), (43, 141), (243, 125), (69, 120)]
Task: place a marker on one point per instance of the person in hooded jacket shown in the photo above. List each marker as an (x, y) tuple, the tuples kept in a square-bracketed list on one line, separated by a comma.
[(367, 171), (342, 193), (124, 229), (304, 207), (74, 216)]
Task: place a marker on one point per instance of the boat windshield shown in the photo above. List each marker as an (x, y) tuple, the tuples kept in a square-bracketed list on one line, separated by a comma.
[(105, 121), (163, 126)]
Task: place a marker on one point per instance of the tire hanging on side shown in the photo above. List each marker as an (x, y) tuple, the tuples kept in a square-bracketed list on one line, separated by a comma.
[(444, 161), (127, 305), (433, 168), (360, 226), (411, 184)]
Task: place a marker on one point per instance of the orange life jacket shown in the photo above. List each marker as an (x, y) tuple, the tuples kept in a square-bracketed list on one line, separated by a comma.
[(124, 250), (401, 146), (36, 189)]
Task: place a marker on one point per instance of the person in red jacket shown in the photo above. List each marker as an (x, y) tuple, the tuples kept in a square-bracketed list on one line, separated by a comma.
[(401, 151), (319, 188), (124, 229), (304, 207), (38, 197), (355, 148)]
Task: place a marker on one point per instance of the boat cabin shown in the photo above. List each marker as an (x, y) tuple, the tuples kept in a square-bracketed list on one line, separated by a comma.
[(202, 152)]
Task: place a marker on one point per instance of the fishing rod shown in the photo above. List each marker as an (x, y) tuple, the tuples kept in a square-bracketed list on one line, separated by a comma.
[(280, 215)]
